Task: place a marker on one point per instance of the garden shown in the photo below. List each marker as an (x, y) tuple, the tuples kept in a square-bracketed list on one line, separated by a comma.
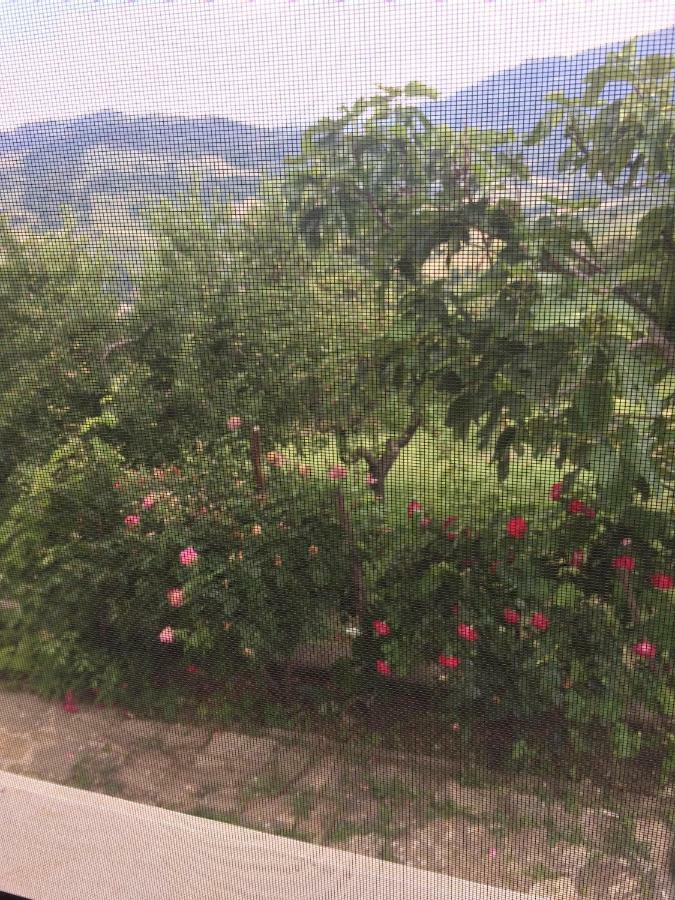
[(308, 477)]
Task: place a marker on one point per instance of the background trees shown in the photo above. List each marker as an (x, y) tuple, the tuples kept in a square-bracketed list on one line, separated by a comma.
[(323, 320)]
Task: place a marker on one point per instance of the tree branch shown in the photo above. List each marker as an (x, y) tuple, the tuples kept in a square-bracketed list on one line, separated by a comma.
[(656, 338), (125, 342), (372, 203)]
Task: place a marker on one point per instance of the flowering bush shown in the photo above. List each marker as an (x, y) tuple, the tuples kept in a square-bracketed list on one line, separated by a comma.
[(548, 614), (206, 574)]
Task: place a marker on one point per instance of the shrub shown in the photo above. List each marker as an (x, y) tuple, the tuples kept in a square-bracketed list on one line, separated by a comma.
[(137, 573), (559, 612)]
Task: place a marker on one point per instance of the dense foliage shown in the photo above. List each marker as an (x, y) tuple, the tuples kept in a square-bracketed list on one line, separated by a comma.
[(155, 517)]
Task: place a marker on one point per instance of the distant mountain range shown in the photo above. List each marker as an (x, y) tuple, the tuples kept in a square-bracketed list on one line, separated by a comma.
[(110, 157)]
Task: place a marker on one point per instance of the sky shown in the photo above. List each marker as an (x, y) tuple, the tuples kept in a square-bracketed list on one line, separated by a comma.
[(279, 62)]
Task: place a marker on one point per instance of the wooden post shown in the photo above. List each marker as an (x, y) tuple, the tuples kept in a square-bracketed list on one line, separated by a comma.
[(358, 579), (256, 461)]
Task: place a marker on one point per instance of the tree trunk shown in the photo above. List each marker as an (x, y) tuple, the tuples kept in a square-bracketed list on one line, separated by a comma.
[(358, 579), (256, 461)]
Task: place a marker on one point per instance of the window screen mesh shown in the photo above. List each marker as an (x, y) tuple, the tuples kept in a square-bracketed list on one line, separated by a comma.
[(337, 397)]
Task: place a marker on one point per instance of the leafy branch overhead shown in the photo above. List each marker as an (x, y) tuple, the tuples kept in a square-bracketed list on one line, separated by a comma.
[(559, 343)]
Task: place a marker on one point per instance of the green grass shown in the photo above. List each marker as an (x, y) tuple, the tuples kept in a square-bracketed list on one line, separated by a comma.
[(303, 803), (230, 818), (342, 831), (450, 478)]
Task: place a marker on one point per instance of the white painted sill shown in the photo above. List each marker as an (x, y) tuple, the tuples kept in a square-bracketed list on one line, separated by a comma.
[(61, 843)]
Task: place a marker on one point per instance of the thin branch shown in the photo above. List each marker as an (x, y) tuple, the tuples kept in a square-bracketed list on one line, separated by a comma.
[(125, 342), (656, 338), (372, 203)]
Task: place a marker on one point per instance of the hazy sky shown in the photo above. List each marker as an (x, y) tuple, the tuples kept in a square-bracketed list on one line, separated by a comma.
[(279, 61)]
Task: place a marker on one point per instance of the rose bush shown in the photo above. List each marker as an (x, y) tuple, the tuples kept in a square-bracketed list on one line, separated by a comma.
[(207, 574), (537, 615)]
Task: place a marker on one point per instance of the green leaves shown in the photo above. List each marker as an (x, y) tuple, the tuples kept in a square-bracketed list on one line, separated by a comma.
[(550, 120), (627, 743)]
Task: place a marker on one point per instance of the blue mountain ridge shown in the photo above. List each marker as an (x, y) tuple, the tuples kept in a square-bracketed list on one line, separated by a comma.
[(513, 98)]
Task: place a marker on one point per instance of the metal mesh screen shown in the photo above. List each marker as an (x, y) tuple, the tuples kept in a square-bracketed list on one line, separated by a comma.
[(337, 384)]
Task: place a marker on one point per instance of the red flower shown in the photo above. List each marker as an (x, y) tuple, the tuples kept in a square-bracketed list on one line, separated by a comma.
[(117, 485), (424, 523), (540, 621), (132, 521), (644, 649), (625, 563), (576, 507), (448, 662), (383, 667), (451, 535), (450, 521), (191, 669), (662, 582), (413, 507), (381, 628), (516, 527), (468, 632), (337, 473), (556, 491), (511, 616), (589, 512), (577, 559), (69, 703)]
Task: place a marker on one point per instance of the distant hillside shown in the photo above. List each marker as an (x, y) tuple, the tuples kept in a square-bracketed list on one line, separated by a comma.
[(106, 165)]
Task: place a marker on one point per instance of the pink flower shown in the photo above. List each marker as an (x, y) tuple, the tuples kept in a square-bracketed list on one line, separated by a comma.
[(644, 649), (448, 662), (624, 563), (468, 632), (117, 485), (424, 523), (188, 556), (511, 616), (576, 507), (383, 667), (337, 473), (381, 628), (626, 542), (69, 703), (556, 491), (149, 501), (539, 621), (371, 480), (132, 521), (175, 597), (233, 423), (662, 582), (413, 507), (166, 635), (516, 527), (577, 558), (191, 669)]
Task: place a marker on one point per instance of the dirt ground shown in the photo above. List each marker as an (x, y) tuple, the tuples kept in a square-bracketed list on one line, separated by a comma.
[(406, 808)]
